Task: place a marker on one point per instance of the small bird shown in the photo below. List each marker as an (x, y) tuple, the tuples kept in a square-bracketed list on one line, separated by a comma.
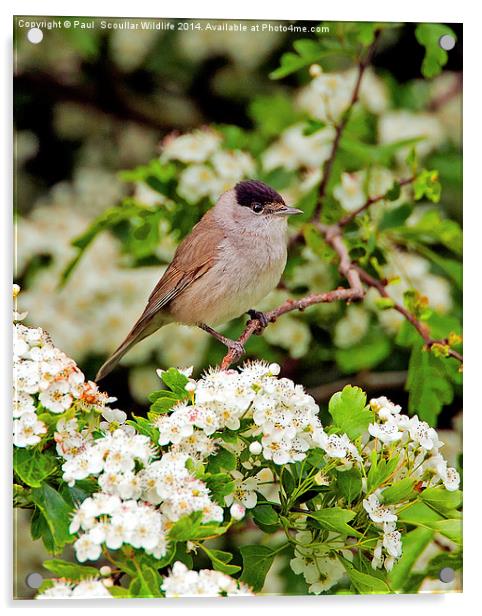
[(234, 256)]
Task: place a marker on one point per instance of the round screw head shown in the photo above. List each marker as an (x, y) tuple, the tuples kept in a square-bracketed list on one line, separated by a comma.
[(447, 42), (446, 575)]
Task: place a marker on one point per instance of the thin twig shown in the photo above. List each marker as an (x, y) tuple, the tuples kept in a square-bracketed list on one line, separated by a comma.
[(333, 235), (340, 127), (422, 329), (349, 217)]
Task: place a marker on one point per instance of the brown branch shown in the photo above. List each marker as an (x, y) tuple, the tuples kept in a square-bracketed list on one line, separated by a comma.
[(422, 329), (354, 274), (333, 235), (340, 127), (352, 215)]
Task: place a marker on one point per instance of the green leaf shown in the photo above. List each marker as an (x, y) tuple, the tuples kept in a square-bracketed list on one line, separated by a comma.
[(446, 559), (220, 485), (413, 544), (441, 499), (335, 519), (435, 58), (56, 513), (349, 411), (427, 184), (39, 529), (257, 561), (399, 491), (364, 583), (146, 584), (220, 560), (313, 126), (315, 242), (380, 471), (349, 484), (452, 529), (175, 380), (419, 514), (185, 527), (145, 427), (265, 515), (164, 402), (223, 459), (393, 193), (33, 466), (119, 592), (395, 217), (428, 384), (71, 571)]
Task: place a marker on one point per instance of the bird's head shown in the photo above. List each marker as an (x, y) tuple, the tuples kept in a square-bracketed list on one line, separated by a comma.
[(252, 203)]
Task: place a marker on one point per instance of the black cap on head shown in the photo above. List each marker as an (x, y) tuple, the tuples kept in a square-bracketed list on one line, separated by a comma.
[(254, 191)]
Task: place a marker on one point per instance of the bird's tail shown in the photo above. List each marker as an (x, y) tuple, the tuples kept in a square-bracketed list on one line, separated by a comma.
[(140, 331)]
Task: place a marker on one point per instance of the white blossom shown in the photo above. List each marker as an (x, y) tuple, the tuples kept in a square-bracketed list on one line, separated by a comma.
[(377, 512), (182, 582)]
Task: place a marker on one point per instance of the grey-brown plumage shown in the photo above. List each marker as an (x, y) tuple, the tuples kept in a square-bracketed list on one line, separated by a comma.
[(232, 258)]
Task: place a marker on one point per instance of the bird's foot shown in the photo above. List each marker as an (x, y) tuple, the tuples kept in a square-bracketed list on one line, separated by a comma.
[(261, 317)]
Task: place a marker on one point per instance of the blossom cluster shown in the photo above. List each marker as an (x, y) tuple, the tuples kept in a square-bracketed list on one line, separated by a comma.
[(283, 417), (45, 379), (419, 444), (267, 422), (181, 582), (210, 170), (85, 589), (134, 507)]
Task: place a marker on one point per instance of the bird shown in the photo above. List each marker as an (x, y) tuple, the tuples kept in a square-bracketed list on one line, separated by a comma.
[(233, 257)]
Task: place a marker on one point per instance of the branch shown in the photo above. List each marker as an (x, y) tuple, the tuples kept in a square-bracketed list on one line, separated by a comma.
[(422, 329), (349, 217), (353, 293), (354, 274), (333, 235), (340, 127)]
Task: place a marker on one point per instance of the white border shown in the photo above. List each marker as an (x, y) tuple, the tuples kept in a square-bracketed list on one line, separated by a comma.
[(379, 10)]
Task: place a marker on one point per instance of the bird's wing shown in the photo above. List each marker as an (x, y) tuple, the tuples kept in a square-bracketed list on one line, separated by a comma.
[(194, 257)]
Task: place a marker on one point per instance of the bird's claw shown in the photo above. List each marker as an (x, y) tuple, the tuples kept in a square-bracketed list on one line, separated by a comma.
[(261, 317)]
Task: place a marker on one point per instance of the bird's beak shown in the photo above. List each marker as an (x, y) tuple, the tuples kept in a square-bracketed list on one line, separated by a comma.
[(288, 211)]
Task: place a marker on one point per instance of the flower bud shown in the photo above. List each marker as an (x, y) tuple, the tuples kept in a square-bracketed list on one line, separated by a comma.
[(274, 369), (315, 70), (255, 448), (105, 570), (237, 511)]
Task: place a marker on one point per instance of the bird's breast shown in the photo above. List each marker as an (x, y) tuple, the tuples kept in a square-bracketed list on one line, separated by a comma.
[(243, 274)]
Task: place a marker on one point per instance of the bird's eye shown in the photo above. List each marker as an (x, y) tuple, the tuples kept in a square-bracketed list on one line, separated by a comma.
[(257, 207)]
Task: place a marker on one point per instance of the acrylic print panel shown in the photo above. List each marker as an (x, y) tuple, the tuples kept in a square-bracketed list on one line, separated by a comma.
[(310, 447)]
